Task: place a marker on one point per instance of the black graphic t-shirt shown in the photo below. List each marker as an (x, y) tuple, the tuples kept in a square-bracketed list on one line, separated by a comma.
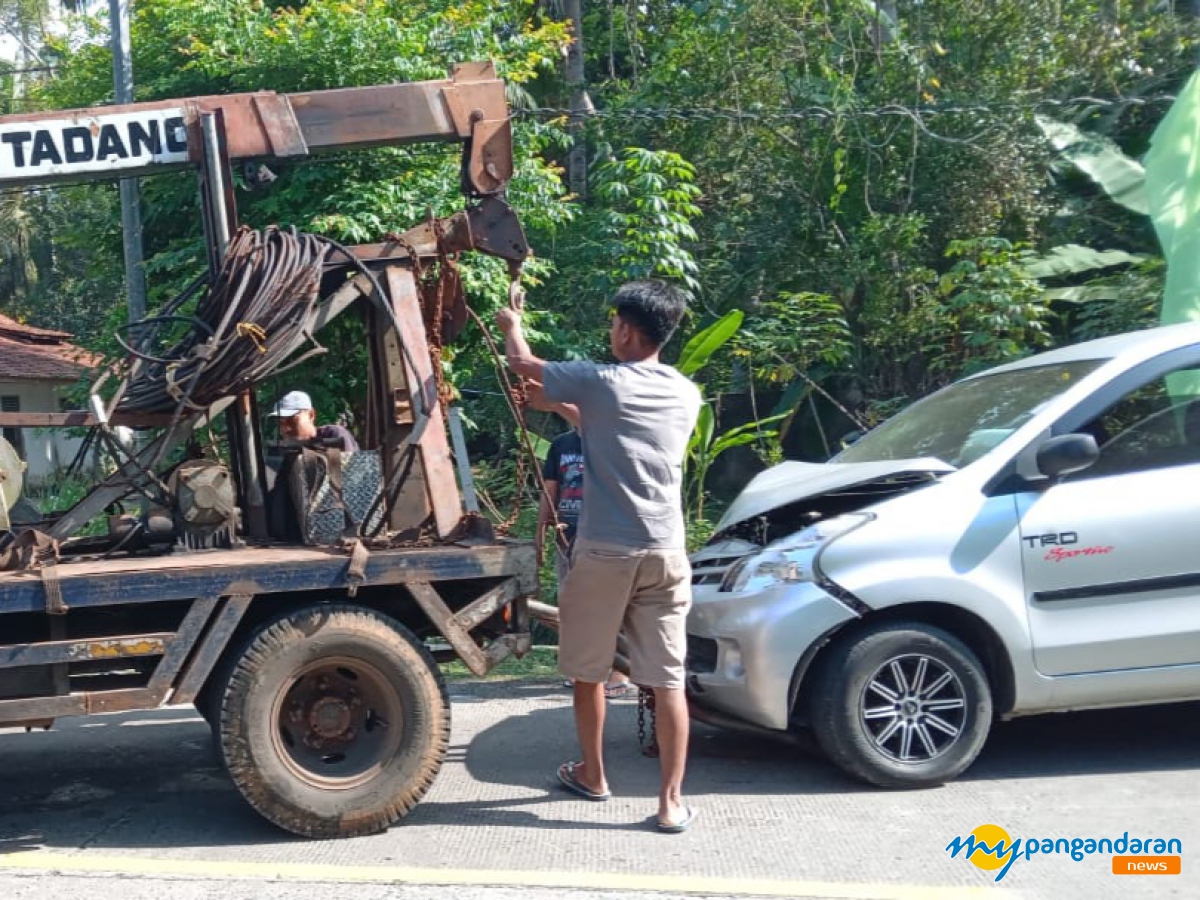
[(564, 464)]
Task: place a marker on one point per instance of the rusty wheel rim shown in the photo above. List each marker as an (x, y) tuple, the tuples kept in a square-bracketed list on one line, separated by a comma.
[(338, 723)]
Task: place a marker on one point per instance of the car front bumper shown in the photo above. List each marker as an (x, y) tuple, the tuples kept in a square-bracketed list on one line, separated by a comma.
[(743, 648)]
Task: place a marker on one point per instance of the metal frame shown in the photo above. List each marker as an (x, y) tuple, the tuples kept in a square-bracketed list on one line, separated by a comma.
[(469, 108), (224, 594)]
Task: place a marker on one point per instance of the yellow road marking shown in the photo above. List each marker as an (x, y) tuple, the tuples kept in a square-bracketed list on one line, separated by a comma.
[(47, 861)]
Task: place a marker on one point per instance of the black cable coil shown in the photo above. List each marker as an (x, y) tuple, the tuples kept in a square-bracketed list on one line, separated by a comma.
[(250, 320)]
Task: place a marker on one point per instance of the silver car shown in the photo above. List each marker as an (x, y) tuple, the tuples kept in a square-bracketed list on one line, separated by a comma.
[(1022, 541)]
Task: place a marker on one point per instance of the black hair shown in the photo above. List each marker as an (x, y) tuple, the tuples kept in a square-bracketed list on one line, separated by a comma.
[(654, 308)]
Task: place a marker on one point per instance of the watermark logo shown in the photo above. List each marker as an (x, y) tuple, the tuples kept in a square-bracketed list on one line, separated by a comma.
[(991, 848)]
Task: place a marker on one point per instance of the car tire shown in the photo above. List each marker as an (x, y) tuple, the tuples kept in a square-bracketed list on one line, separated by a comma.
[(901, 705), (333, 721)]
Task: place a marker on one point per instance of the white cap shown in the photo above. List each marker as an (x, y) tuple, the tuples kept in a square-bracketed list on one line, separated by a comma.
[(292, 403)]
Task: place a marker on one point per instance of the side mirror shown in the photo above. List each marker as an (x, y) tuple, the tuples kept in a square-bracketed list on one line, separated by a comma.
[(1066, 454)]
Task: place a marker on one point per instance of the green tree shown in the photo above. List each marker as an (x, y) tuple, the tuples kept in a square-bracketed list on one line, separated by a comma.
[(187, 48)]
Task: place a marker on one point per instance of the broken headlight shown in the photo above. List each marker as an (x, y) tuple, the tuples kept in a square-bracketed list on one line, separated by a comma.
[(790, 559)]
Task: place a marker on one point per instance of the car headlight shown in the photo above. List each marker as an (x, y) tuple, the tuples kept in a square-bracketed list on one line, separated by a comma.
[(788, 560)]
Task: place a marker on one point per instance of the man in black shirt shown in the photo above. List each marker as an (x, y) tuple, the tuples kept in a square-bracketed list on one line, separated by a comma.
[(298, 421), (563, 474)]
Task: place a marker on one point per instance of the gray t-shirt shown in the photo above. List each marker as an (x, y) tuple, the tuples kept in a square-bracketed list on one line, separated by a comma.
[(637, 420)]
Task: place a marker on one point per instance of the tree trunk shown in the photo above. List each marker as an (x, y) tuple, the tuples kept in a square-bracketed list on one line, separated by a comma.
[(581, 103)]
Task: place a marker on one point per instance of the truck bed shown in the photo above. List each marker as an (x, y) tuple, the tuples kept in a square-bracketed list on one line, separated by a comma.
[(259, 570)]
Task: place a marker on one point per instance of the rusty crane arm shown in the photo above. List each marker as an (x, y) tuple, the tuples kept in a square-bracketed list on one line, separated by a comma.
[(71, 145)]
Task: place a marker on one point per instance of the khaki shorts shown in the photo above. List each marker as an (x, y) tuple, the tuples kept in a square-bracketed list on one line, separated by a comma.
[(645, 592)]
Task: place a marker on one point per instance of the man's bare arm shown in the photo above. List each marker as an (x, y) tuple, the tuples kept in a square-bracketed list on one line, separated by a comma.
[(516, 349), (536, 395)]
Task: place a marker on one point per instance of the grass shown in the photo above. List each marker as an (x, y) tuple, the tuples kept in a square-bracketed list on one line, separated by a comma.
[(541, 662)]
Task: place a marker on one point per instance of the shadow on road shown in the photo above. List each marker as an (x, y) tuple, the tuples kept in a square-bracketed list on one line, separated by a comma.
[(151, 780), (1136, 739)]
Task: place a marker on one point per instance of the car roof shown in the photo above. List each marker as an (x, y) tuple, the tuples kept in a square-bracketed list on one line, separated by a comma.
[(1136, 345)]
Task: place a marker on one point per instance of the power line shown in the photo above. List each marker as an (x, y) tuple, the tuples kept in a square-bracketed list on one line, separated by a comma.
[(825, 113), (6, 71), (916, 114)]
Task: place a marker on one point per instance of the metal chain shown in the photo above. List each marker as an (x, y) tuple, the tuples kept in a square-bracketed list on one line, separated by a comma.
[(516, 398), (641, 717), (646, 703)]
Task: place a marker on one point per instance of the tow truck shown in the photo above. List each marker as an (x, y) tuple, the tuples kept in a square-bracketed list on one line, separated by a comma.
[(300, 596)]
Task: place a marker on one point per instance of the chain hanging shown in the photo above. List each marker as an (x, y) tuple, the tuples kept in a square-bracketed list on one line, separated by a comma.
[(646, 703)]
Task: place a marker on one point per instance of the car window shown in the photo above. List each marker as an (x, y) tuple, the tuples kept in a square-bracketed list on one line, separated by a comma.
[(968, 419), (1154, 426)]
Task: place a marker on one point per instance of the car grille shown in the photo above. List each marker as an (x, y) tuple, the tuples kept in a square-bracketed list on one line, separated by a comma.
[(711, 571), (701, 654)]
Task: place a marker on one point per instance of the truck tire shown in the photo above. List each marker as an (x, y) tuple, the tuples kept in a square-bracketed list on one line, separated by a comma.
[(901, 705), (333, 721)]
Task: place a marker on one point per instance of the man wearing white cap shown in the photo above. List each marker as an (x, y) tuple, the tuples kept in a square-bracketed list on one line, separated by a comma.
[(298, 421)]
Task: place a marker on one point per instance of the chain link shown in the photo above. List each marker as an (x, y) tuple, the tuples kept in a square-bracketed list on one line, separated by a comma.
[(646, 702)]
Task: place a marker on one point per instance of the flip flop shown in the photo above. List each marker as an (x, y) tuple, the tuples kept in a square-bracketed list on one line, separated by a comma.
[(613, 691), (567, 778), (682, 825)]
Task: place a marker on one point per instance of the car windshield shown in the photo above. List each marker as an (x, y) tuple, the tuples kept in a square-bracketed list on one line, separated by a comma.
[(964, 421)]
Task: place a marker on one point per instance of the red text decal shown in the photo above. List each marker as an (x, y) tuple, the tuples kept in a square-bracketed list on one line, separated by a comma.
[(1058, 554)]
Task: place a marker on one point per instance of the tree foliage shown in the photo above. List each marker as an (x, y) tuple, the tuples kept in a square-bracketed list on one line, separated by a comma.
[(889, 195)]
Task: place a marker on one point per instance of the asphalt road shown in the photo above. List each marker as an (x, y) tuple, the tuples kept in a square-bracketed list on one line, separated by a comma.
[(136, 807)]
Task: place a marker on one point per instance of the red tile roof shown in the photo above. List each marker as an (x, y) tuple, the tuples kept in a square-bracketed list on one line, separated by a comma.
[(40, 354)]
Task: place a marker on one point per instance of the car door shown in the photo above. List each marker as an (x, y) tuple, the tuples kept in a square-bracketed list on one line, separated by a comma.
[(1111, 554)]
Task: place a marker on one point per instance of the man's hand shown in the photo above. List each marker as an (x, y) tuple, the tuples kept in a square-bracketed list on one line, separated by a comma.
[(516, 349), (507, 319), (510, 318), (535, 396)]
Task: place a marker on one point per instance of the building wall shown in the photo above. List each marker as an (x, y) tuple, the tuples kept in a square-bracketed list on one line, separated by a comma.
[(45, 450)]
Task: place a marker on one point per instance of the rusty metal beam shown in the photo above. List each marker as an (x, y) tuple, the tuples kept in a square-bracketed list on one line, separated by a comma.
[(391, 421), (490, 226), (505, 646), (83, 650), (338, 302), (468, 107), (488, 605), (182, 642), (443, 620), (211, 647), (184, 576), (441, 484), (35, 709)]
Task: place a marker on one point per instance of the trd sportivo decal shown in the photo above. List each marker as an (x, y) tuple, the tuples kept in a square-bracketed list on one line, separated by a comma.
[(1061, 546)]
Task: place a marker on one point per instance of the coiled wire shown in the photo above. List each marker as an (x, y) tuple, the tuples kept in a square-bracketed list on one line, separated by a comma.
[(253, 316)]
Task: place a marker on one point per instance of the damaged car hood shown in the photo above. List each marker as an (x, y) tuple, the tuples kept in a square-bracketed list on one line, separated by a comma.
[(791, 482)]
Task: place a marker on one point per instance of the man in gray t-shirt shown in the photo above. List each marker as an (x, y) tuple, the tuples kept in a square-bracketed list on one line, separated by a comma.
[(629, 567)]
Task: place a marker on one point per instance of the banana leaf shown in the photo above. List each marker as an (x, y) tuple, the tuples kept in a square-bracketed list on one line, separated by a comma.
[(1073, 259), (1118, 175), (697, 352)]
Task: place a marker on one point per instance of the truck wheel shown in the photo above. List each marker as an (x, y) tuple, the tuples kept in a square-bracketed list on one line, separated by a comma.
[(901, 705), (334, 721)]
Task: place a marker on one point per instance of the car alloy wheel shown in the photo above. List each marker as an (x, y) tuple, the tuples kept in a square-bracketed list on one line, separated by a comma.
[(914, 708)]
